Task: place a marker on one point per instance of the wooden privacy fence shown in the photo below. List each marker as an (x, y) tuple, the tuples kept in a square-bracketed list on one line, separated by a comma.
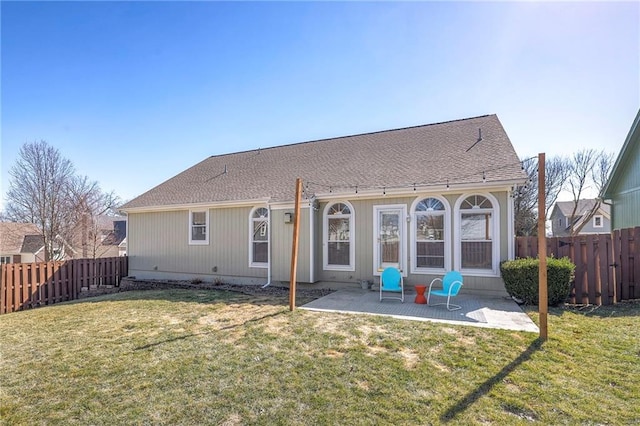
[(607, 265), (28, 285)]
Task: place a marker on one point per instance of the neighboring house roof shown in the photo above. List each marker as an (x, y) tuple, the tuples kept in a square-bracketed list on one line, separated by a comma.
[(32, 243), (584, 206), (456, 152), (12, 236), (632, 140)]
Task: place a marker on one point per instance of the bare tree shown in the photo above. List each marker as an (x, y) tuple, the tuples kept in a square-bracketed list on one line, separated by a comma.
[(89, 204), (38, 192), (526, 198), (45, 190), (589, 170)]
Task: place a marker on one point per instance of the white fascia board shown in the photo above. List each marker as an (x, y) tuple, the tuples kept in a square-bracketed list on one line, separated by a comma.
[(195, 206)]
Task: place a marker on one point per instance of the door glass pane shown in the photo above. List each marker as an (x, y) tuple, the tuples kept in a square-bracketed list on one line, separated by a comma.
[(389, 237)]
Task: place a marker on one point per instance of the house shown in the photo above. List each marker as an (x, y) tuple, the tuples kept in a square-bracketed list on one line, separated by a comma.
[(100, 236), (425, 199), (24, 243), (21, 243), (590, 217), (622, 189)]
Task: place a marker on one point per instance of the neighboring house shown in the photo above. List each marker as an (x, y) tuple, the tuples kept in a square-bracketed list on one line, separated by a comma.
[(24, 243), (20, 243), (100, 236), (622, 190), (426, 199), (584, 221)]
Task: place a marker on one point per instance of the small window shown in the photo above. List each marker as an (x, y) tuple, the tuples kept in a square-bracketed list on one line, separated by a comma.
[(5, 259), (259, 231), (597, 221), (199, 227)]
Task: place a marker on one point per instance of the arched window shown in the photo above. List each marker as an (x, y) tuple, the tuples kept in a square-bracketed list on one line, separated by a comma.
[(478, 233), (430, 232), (259, 232), (338, 237)]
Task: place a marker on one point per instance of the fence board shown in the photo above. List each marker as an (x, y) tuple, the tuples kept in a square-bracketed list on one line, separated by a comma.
[(28, 285), (624, 256), (597, 281)]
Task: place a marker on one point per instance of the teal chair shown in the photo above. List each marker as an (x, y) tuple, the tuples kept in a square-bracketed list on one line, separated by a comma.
[(391, 281), (451, 285)]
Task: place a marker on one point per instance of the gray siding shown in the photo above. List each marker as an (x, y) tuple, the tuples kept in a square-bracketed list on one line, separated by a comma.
[(159, 248), (282, 239), (626, 192), (158, 245), (588, 228)]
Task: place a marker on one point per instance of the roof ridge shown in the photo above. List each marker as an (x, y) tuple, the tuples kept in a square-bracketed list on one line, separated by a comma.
[(351, 136)]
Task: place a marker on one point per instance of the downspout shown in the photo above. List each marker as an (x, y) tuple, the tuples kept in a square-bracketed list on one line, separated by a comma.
[(269, 247), (311, 243)]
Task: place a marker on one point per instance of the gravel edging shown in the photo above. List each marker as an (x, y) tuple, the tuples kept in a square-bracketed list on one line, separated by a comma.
[(129, 284)]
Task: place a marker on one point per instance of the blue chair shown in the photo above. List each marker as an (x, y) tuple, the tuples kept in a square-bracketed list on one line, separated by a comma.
[(451, 285), (391, 281)]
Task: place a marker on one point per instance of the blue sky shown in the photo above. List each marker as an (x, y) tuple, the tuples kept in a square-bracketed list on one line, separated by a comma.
[(135, 92)]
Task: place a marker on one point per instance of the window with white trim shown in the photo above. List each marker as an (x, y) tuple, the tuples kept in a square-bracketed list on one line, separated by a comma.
[(477, 233), (598, 221), (198, 226), (430, 234), (5, 259), (338, 236), (259, 235)]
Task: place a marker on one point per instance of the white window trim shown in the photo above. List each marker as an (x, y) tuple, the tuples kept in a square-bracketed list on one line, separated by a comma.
[(325, 238), (204, 242), (601, 221), (447, 237), (495, 226), (253, 264)]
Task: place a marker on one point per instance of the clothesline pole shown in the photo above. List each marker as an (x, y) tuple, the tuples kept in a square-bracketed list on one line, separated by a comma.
[(543, 299), (294, 247)]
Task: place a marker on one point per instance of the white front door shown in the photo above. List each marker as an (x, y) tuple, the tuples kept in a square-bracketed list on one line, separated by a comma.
[(389, 233)]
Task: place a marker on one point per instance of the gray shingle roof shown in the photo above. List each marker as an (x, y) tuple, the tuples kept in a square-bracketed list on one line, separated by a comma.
[(427, 155), (584, 206), (12, 236), (32, 243)]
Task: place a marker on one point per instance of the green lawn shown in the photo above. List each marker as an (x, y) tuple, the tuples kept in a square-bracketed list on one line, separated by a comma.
[(214, 357)]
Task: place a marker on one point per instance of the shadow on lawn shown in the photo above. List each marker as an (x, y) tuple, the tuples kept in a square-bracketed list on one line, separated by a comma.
[(485, 387), (228, 327), (626, 308)]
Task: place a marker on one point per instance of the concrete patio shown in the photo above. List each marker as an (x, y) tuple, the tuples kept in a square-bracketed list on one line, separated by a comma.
[(488, 312)]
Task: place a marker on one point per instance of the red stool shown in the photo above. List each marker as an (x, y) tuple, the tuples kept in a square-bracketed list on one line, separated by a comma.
[(420, 299)]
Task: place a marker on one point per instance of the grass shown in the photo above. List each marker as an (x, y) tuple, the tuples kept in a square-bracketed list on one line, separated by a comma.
[(214, 357)]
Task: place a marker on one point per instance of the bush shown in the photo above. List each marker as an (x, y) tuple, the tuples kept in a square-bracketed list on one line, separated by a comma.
[(521, 279)]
